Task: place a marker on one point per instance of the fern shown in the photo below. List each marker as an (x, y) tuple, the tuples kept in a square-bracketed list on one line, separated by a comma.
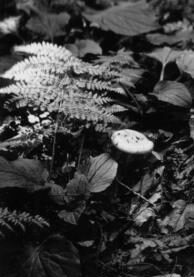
[(53, 80), (12, 220)]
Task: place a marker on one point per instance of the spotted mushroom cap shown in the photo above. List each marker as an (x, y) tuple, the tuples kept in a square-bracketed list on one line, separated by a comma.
[(130, 141)]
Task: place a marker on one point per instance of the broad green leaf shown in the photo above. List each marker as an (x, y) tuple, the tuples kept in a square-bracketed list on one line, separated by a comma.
[(102, 171), (22, 173), (55, 257), (126, 19), (165, 55)]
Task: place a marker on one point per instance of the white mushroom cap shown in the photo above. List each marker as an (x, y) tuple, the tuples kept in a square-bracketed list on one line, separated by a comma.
[(132, 142)]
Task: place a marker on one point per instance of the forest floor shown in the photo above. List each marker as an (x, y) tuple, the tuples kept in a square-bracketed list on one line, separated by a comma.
[(72, 201)]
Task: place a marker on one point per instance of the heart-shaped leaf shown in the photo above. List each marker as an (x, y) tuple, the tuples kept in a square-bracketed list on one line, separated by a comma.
[(22, 173), (102, 171), (55, 257), (173, 93), (126, 19)]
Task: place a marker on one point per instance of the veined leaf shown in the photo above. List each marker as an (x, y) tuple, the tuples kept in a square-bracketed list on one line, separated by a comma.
[(126, 19), (102, 171)]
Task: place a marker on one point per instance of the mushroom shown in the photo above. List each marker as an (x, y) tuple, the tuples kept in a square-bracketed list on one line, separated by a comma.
[(132, 142), (130, 146)]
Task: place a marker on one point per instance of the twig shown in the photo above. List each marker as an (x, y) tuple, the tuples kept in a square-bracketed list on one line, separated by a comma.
[(135, 193)]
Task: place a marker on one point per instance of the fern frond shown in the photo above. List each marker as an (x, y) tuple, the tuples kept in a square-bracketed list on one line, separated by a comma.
[(45, 49), (52, 79), (11, 220)]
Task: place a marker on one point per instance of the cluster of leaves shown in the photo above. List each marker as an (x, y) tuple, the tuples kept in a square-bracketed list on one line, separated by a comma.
[(28, 178), (58, 176)]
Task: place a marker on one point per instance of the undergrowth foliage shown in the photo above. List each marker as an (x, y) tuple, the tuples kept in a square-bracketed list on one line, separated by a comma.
[(55, 81), (71, 203)]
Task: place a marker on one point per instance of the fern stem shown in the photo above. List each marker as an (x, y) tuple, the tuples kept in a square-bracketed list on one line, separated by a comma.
[(81, 150), (54, 148)]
